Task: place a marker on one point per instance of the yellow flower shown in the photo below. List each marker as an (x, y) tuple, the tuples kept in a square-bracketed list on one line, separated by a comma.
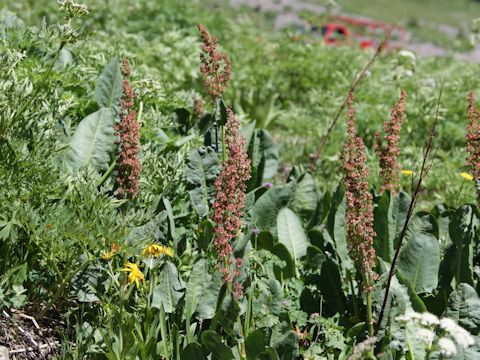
[(407, 172), (134, 273), (155, 250), (107, 255), (466, 176)]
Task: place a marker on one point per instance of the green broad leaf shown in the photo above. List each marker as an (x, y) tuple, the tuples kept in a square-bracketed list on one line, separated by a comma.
[(226, 316), (287, 346), (197, 285), (389, 218), (221, 116), (271, 295), (266, 241), (108, 87), (419, 262), (330, 286), (291, 233), (207, 306), (213, 344), (257, 342), (305, 198), (169, 290), (417, 303), (464, 308), (336, 227), (193, 351), (269, 354), (266, 208), (92, 142), (463, 233), (201, 171)]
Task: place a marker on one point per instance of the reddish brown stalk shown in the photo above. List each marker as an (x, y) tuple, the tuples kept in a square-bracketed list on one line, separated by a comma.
[(128, 131), (426, 166), (215, 67), (388, 149), (316, 155), (359, 211), (473, 141), (229, 202)]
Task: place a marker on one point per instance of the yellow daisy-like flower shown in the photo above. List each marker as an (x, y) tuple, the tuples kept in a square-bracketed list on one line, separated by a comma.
[(134, 273), (155, 250), (107, 255), (407, 172), (466, 176)]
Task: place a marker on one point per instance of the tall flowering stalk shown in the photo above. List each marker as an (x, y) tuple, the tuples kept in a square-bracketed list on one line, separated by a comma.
[(359, 211), (215, 67), (128, 131), (388, 150), (230, 200), (473, 141)]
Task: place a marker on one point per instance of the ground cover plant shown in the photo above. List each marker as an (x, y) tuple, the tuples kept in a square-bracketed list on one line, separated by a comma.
[(164, 195)]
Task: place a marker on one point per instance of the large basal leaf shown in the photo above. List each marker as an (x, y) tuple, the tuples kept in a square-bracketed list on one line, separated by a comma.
[(257, 342), (214, 344), (463, 229), (287, 346), (464, 308), (192, 351), (336, 227), (419, 262), (196, 286), (201, 171), (227, 314), (330, 286), (92, 142), (108, 87), (264, 212), (305, 198), (291, 233), (265, 240), (206, 307), (169, 290), (389, 218)]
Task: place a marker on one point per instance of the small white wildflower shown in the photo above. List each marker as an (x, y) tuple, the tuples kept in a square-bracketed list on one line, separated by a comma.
[(459, 334), (447, 346), (426, 336), (428, 319)]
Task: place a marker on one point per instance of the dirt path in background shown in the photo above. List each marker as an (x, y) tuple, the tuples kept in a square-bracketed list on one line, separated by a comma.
[(287, 13)]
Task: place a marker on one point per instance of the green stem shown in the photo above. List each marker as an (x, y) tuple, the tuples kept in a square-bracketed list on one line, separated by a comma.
[(354, 298), (241, 344), (107, 173), (224, 146), (164, 332)]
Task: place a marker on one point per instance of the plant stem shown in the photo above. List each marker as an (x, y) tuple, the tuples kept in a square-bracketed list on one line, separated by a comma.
[(107, 173), (353, 86), (354, 298)]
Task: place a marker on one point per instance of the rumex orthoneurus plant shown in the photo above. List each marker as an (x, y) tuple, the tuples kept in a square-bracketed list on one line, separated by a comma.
[(215, 67), (128, 130), (473, 141), (388, 148), (229, 202), (359, 210)]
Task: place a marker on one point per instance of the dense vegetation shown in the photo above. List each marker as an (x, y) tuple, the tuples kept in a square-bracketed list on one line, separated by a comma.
[(159, 201)]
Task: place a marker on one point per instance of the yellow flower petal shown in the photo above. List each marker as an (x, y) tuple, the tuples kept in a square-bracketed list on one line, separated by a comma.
[(134, 273), (155, 250), (466, 176), (407, 172)]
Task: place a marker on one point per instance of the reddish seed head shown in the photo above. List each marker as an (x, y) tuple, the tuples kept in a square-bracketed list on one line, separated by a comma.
[(388, 150), (230, 194), (128, 131), (359, 212), (215, 67), (473, 140)]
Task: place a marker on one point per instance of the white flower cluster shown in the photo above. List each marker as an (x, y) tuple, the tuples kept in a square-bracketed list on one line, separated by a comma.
[(72, 9), (451, 333)]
